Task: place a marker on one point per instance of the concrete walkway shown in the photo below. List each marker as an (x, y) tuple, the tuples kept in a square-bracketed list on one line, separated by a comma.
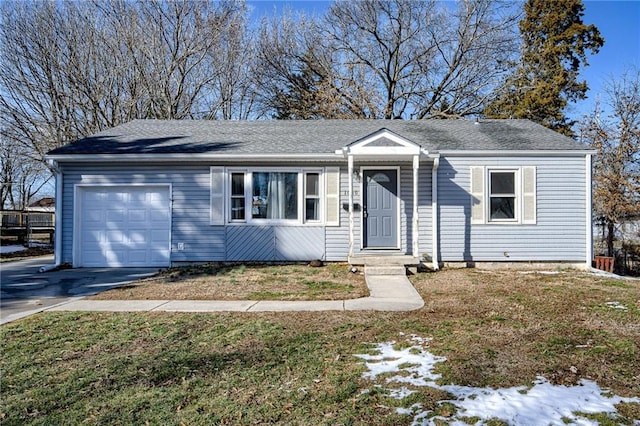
[(387, 293)]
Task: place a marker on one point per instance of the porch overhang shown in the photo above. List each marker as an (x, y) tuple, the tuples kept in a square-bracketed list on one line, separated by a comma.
[(383, 145), (389, 147)]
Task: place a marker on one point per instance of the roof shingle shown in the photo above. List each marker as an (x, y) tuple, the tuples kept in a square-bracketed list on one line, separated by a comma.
[(312, 137)]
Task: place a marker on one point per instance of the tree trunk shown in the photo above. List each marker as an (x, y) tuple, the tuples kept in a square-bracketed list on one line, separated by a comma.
[(610, 230)]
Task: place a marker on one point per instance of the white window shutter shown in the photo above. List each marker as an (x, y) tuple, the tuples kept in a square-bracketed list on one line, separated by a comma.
[(529, 195), (477, 195), (332, 196), (217, 195)]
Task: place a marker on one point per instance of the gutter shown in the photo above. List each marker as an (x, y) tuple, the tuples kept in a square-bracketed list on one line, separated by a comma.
[(94, 158), (524, 153)]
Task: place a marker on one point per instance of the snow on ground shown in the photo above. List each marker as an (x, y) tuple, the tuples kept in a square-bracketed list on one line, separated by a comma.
[(616, 305), (541, 403), (11, 249)]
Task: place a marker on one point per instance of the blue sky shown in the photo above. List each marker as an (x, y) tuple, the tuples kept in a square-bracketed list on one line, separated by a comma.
[(618, 22)]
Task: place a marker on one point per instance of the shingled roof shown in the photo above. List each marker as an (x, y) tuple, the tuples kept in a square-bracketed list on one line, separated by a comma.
[(312, 137)]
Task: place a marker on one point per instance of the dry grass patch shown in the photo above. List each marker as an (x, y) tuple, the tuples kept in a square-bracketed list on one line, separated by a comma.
[(496, 329), (504, 328), (245, 282)]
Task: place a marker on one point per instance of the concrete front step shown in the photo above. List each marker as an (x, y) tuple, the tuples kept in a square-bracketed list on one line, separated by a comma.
[(384, 260), (385, 270)]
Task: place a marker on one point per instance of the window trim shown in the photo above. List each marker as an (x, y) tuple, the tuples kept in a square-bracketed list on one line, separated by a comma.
[(301, 195), (230, 196), (517, 195), (318, 197), (526, 194)]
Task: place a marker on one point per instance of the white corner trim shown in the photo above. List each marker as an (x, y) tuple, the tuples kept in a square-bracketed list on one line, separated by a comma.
[(589, 211), (416, 220), (57, 233), (351, 224)]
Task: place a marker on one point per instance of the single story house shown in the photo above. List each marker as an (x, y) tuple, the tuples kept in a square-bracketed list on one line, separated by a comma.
[(158, 193)]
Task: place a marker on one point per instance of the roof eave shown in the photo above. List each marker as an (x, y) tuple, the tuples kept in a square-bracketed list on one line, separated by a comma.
[(523, 153), (94, 158)]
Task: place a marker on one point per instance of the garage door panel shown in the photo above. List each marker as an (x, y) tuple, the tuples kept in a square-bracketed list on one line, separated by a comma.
[(125, 226), (158, 216), (116, 216), (137, 215), (137, 256), (92, 216), (160, 257), (115, 236), (157, 235)]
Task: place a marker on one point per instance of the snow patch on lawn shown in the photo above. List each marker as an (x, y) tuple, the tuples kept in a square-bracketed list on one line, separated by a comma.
[(11, 249), (616, 305), (541, 403)]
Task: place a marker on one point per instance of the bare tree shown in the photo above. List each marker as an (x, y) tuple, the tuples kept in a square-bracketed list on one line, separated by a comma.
[(297, 79), (21, 175), (233, 90), (475, 46), (616, 169), (392, 58), (70, 69)]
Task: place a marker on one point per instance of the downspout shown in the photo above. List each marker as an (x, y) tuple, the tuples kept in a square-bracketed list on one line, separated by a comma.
[(416, 223), (351, 226), (434, 213), (589, 209), (57, 257)]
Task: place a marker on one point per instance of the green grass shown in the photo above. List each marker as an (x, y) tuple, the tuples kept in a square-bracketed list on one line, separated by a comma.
[(172, 369), (299, 368)]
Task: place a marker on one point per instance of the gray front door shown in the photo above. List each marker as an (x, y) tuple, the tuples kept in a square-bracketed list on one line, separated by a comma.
[(380, 209)]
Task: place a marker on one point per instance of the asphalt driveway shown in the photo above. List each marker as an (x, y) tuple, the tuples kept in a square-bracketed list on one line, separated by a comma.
[(25, 291)]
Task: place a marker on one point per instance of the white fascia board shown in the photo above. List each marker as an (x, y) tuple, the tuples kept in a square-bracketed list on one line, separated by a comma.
[(383, 151), (141, 158), (524, 153), (382, 134)]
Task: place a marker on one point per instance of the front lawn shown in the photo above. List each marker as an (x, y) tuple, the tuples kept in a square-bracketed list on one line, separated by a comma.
[(496, 329), (215, 281)]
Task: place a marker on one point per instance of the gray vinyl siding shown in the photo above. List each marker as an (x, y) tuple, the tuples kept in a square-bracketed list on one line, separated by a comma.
[(274, 243), (190, 219), (558, 235), (190, 206), (337, 238)]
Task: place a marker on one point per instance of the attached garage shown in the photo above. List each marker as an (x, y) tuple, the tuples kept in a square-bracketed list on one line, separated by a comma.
[(123, 226)]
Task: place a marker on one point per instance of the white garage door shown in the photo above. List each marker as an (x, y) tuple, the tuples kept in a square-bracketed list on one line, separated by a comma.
[(124, 226)]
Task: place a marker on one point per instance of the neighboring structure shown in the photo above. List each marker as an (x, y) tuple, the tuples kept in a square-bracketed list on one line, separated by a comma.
[(45, 204), (156, 193)]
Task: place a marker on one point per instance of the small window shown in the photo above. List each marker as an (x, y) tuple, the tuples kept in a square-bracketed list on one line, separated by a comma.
[(275, 196), (312, 197), (502, 195), (237, 197)]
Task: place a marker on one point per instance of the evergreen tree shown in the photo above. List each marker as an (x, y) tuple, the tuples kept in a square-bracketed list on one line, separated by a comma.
[(555, 46)]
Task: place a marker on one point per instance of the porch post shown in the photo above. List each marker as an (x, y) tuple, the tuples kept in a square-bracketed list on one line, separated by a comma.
[(415, 230), (350, 177)]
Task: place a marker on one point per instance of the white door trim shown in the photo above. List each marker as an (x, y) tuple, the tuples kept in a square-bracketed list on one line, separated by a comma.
[(398, 197)]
